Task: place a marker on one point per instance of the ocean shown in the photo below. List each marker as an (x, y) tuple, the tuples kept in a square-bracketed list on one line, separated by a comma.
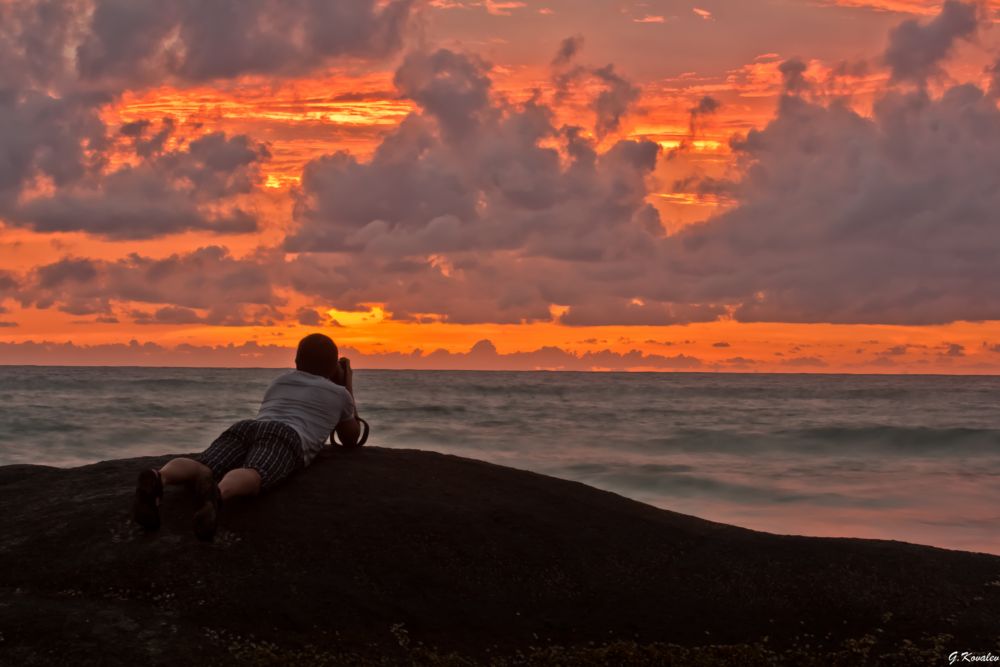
[(913, 458)]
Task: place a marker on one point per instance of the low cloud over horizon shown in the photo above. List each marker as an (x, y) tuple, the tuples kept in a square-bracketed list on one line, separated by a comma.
[(484, 356)]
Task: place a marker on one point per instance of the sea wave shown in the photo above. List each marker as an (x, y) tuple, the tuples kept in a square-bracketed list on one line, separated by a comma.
[(908, 440), (905, 457)]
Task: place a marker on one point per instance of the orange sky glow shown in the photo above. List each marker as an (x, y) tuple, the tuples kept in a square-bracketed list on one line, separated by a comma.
[(674, 55)]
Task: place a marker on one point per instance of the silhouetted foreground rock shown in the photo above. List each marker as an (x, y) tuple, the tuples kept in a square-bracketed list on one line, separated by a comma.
[(406, 556)]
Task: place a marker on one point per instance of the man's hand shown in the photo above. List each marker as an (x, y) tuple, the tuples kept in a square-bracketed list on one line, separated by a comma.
[(342, 373), (346, 374), (348, 430)]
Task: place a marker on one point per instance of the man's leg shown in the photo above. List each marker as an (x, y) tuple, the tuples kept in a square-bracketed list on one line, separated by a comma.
[(240, 482), (183, 470), (236, 482), (224, 454), (274, 452), (149, 487)]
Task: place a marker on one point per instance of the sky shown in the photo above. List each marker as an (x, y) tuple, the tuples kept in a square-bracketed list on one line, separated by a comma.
[(718, 185)]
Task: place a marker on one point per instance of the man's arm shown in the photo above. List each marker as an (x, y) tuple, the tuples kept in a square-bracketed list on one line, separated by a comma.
[(348, 430)]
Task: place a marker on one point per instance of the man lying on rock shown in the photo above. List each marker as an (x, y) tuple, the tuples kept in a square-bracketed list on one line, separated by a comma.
[(300, 409)]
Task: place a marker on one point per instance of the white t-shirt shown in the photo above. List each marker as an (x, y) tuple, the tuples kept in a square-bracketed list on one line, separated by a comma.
[(310, 404)]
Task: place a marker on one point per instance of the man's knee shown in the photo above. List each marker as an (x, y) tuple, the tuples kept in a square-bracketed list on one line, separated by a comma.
[(182, 470), (241, 482), (254, 474)]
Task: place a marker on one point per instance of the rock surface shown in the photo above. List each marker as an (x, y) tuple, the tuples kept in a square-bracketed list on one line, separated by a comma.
[(381, 554)]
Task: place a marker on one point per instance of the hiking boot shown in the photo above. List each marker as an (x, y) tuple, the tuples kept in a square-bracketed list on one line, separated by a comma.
[(206, 517), (146, 505)]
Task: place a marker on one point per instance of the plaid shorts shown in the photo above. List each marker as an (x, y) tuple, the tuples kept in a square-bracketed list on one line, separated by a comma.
[(271, 448)]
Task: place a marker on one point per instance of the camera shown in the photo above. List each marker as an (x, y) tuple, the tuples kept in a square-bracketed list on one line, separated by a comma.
[(340, 372)]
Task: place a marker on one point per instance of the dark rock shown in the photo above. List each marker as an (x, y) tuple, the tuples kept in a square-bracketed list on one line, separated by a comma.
[(380, 553)]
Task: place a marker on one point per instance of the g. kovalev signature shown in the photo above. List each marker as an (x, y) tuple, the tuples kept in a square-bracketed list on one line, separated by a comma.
[(972, 656)]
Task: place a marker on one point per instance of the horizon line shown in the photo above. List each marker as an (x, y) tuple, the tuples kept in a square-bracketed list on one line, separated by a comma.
[(515, 370)]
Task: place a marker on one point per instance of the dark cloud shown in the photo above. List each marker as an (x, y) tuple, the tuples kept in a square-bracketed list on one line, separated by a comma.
[(8, 283), (41, 135), (953, 350), (851, 219), (164, 194), (126, 37), (994, 72), (617, 97), (364, 96), (49, 124), (308, 317), (837, 217), (793, 77), (135, 129), (614, 101), (454, 88), (112, 45), (60, 62), (168, 315), (568, 50), (707, 106), (850, 70), (64, 271), (723, 189), (916, 50), (198, 41), (468, 211), (33, 40), (597, 312), (206, 285), (476, 209), (224, 316), (145, 144)]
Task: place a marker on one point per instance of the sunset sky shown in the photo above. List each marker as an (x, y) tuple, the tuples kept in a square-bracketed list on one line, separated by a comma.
[(724, 185)]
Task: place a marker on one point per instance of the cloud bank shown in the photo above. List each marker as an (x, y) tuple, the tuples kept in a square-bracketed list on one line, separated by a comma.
[(479, 209), (851, 219), (62, 62)]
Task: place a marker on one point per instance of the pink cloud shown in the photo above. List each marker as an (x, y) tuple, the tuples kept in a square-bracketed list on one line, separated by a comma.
[(502, 7)]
